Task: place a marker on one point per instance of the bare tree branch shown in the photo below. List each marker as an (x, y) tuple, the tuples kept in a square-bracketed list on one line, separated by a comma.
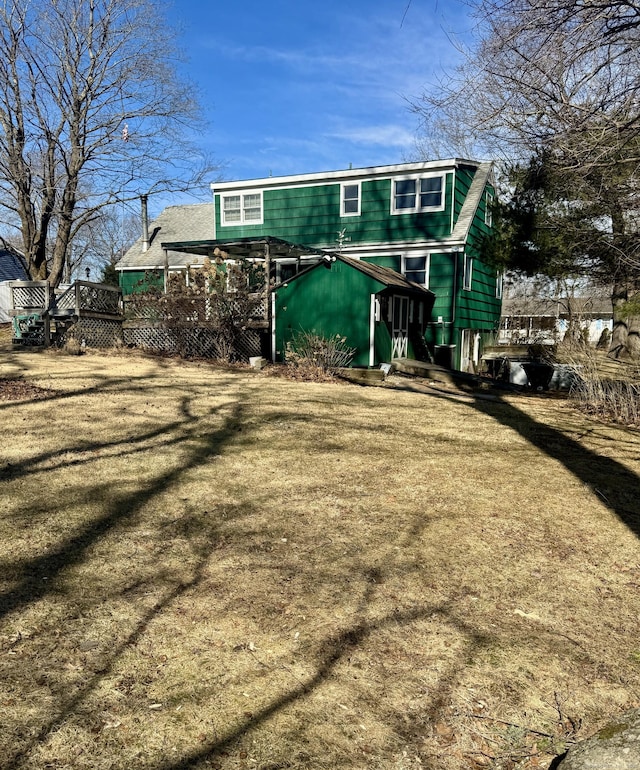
[(91, 112)]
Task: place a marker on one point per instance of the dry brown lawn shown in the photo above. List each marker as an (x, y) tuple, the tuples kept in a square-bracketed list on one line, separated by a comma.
[(203, 568)]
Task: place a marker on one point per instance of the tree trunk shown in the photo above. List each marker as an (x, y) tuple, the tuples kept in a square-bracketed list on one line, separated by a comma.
[(625, 338)]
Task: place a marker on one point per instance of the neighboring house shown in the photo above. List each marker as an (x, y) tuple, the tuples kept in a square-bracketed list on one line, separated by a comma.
[(12, 268), (527, 320), (424, 221)]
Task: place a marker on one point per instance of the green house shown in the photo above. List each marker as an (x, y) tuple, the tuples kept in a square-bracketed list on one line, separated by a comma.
[(424, 222)]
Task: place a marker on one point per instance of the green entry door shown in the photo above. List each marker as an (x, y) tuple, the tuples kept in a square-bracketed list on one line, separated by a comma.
[(399, 327)]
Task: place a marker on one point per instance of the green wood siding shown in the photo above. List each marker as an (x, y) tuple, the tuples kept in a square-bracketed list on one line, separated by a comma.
[(392, 262), (132, 281), (336, 300), (464, 177), (479, 308), (327, 300), (311, 216), (443, 276)]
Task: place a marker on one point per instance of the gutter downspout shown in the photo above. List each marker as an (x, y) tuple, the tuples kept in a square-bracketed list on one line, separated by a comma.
[(273, 327), (372, 330)]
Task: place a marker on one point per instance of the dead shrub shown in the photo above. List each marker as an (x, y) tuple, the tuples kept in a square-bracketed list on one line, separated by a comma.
[(72, 347), (611, 399), (313, 356)]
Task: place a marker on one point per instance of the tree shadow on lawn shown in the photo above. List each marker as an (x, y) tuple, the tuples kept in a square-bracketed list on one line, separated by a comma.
[(613, 483), (37, 576), (616, 486), (39, 573), (114, 449), (37, 580), (334, 650)]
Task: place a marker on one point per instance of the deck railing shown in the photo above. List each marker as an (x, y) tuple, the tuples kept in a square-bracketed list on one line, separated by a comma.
[(81, 297), (87, 297), (30, 296)]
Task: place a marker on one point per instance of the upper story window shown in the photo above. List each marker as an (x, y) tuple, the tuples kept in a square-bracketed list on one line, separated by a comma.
[(241, 208), (488, 210), (467, 275), (414, 194), (350, 195)]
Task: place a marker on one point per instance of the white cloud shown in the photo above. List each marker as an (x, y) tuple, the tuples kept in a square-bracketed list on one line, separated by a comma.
[(388, 135)]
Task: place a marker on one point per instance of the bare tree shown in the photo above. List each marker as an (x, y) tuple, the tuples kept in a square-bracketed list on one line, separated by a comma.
[(558, 81), (540, 71), (91, 112)]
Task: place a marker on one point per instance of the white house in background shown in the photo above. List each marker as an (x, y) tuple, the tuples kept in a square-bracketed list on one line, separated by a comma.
[(527, 320)]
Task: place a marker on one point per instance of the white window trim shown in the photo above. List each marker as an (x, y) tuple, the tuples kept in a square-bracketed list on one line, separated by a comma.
[(242, 221), (417, 209), (427, 265), (344, 213), (499, 284), (467, 272), (488, 209)]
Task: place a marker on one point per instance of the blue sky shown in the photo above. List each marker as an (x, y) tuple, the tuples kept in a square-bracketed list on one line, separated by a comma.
[(293, 86)]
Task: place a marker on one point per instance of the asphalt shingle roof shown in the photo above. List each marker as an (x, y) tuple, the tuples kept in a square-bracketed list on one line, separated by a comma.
[(12, 267), (384, 274), (191, 222)]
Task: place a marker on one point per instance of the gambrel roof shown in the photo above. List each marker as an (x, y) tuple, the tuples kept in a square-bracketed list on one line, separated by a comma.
[(12, 266)]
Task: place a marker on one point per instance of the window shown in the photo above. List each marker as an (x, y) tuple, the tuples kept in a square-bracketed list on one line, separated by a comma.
[(350, 200), (488, 210), (416, 269), (468, 272), (405, 194), (231, 210), (242, 208), (430, 192), (417, 194), (499, 282)]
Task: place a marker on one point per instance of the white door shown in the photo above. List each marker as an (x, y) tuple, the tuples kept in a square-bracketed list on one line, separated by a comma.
[(399, 327), (465, 350), (469, 350)]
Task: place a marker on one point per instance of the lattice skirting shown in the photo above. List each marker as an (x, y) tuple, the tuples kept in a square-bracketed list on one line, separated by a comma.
[(94, 332), (193, 342)]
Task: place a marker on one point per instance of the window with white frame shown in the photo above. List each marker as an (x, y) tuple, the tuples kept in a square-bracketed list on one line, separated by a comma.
[(467, 273), (499, 282), (416, 269), (241, 208), (488, 210), (350, 197), (414, 194)]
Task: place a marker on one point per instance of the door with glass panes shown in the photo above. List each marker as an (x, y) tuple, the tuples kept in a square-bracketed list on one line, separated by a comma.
[(399, 326)]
